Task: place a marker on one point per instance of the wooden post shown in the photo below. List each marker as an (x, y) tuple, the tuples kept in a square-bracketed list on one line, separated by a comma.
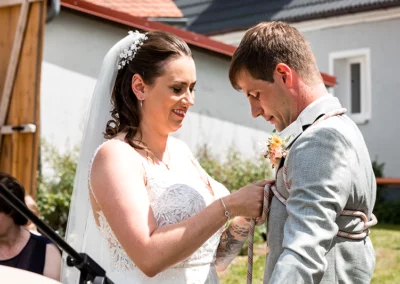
[(21, 48), (13, 62)]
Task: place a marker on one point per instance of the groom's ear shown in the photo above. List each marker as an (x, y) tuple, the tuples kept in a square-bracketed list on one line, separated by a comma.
[(138, 86), (283, 73)]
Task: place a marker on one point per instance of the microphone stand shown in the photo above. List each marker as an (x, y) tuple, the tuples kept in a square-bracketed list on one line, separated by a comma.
[(91, 272)]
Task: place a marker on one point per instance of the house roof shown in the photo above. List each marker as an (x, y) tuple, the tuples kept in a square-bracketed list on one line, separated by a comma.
[(140, 8), (140, 23), (221, 16)]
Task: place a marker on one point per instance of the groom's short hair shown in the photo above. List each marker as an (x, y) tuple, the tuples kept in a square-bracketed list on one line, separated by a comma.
[(269, 43)]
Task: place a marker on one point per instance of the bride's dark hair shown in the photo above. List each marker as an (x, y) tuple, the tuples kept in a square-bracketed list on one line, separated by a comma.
[(149, 62)]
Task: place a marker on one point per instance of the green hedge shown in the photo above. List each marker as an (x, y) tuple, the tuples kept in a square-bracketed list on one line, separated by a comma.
[(386, 211), (235, 171), (54, 192)]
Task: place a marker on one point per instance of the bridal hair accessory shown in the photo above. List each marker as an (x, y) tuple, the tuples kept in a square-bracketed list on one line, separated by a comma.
[(274, 149), (128, 54)]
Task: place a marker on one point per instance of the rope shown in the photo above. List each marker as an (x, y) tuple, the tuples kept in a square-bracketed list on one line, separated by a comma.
[(253, 224)]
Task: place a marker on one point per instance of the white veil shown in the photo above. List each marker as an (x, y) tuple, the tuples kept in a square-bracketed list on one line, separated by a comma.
[(81, 232)]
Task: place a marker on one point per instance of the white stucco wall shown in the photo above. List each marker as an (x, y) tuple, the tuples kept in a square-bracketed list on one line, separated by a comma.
[(382, 131), (64, 104), (74, 47)]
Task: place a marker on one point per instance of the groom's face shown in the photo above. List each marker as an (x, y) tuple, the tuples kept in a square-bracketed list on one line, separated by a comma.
[(268, 100)]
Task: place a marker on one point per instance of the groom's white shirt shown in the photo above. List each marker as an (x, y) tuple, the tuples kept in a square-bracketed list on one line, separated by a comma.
[(308, 116), (328, 170)]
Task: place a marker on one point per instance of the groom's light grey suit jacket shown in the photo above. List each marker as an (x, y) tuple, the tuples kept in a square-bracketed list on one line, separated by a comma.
[(328, 170)]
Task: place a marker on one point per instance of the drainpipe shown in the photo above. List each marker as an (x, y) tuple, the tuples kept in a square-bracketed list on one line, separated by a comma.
[(53, 9)]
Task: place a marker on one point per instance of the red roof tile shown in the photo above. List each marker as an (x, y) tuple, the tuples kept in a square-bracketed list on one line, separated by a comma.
[(140, 8)]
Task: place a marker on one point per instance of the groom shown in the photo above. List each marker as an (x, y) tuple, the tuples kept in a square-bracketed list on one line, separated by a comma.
[(326, 177)]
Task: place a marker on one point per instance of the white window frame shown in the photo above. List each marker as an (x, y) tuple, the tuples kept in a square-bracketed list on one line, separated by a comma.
[(361, 56)]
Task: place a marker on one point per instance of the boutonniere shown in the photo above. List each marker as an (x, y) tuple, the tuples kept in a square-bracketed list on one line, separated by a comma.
[(275, 149)]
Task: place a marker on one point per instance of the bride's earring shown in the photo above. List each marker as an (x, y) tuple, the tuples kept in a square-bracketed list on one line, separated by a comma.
[(141, 103)]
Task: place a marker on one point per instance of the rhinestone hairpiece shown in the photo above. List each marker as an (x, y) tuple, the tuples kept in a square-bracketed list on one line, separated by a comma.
[(128, 54)]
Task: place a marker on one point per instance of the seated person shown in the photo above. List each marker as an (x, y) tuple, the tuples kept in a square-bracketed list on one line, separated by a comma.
[(31, 204), (18, 247)]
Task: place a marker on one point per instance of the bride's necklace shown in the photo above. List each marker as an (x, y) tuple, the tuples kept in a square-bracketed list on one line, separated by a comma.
[(161, 161)]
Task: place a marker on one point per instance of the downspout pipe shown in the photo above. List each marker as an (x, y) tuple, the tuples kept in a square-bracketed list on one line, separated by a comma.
[(53, 9)]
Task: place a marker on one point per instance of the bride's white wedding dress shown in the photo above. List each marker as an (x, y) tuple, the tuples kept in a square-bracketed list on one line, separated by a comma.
[(173, 198)]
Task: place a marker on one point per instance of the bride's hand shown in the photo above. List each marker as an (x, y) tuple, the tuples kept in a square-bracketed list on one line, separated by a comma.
[(247, 201)]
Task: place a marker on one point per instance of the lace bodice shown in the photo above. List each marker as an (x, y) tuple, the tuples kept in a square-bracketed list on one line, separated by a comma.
[(173, 198)]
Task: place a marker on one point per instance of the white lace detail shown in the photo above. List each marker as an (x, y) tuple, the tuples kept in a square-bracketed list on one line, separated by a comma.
[(173, 198), (118, 257)]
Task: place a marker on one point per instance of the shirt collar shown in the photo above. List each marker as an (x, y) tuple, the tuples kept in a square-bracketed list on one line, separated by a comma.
[(308, 116)]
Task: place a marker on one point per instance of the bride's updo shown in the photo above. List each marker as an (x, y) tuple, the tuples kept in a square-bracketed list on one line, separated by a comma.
[(148, 62)]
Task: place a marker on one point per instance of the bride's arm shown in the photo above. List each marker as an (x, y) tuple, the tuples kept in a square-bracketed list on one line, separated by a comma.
[(117, 179), (233, 237), (232, 240)]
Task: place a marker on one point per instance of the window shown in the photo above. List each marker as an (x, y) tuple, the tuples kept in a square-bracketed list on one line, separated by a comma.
[(352, 71)]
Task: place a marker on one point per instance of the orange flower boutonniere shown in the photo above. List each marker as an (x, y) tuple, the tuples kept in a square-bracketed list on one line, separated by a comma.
[(274, 149)]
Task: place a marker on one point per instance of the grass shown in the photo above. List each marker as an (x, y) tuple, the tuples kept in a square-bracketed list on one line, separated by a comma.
[(386, 241), (237, 271)]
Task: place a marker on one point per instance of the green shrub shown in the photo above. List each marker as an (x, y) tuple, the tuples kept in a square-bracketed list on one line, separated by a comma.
[(378, 168), (386, 211), (234, 172), (54, 192)]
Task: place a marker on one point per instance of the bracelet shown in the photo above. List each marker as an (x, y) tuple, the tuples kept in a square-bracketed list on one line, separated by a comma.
[(228, 216)]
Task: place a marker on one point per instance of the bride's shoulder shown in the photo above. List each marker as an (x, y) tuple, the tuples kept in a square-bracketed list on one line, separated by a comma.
[(114, 146), (116, 153), (116, 166)]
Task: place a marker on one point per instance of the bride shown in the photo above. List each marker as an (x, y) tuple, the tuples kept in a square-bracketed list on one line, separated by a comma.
[(142, 205)]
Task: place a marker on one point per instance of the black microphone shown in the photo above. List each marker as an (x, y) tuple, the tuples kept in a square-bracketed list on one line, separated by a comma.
[(91, 272)]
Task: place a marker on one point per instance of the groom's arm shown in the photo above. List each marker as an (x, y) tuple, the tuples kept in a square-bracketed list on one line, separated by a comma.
[(320, 183), (231, 242)]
